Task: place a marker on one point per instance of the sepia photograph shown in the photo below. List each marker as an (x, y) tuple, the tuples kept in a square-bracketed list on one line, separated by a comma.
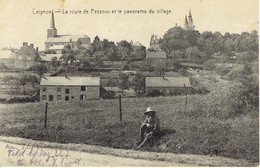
[(133, 83)]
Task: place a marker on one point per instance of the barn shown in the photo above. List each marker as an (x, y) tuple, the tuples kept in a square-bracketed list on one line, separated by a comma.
[(167, 85), (69, 88)]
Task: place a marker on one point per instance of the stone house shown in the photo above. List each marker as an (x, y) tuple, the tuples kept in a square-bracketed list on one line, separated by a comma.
[(167, 85), (69, 88), (26, 56)]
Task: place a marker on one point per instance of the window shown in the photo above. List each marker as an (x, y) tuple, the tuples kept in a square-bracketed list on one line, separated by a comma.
[(44, 97), (50, 97), (72, 97), (59, 97), (83, 88), (59, 89), (44, 89), (82, 97), (66, 98), (67, 91)]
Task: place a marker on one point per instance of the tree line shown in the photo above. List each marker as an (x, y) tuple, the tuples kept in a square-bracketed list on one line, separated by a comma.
[(98, 52), (199, 47)]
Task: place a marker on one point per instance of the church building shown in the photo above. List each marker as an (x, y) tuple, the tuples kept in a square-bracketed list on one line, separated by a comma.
[(55, 42), (188, 24)]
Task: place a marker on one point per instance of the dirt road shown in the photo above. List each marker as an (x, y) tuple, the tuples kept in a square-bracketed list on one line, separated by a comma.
[(20, 155), (16, 151)]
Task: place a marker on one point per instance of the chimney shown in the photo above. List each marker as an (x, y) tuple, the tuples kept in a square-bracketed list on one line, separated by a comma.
[(25, 43), (31, 45)]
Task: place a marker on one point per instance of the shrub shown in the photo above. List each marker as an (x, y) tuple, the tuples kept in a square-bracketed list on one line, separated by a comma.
[(183, 72), (125, 67)]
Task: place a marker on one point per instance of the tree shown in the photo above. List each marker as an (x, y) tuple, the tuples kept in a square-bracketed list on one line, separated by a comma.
[(174, 39), (209, 65), (139, 53), (97, 44), (194, 55), (125, 67), (124, 49), (27, 83), (39, 68), (247, 57), (123, 82), (175, 65), (84, 57), (68, 56), (3, 66), (97, 59), (55, 63), (159, 71), (139, 84)]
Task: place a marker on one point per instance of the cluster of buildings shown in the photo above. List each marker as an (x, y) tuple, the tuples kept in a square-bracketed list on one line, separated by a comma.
[(85, 88)]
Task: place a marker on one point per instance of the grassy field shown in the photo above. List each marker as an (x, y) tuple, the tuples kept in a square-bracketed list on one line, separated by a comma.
[(197, 129)]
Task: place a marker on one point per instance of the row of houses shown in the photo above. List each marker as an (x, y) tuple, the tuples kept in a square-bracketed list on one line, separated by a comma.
[(88, 88)]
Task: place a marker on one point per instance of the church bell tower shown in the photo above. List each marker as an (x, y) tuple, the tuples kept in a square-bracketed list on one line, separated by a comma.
[(52, 31)]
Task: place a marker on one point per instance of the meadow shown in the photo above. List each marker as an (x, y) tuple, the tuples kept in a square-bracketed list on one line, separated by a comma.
[(201, 127)]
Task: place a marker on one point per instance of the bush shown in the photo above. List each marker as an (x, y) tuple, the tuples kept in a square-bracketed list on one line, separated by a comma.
[(183, 72), (3, 66), (125, 67), (59, 71)]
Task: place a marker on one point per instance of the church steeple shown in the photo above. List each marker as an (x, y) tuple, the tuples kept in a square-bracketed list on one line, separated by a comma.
[(190, 17), (52, 31), (52, 26), (186, 21)]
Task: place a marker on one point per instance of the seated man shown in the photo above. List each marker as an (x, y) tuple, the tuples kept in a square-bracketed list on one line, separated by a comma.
[(150, 127)]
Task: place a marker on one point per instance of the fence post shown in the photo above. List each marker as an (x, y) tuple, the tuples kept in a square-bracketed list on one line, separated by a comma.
[(120, 108), (45, 120), (185, 94)]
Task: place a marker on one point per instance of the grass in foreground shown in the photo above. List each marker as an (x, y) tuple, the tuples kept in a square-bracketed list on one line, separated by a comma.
[(191, 130)]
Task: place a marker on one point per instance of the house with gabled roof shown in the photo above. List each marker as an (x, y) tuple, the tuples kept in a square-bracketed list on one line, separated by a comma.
[(168, 85), (156, 58), (69, 88)]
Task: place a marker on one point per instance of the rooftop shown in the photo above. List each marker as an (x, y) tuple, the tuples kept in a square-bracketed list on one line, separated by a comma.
[(57, 47), (66, 38), (167, 81), (156, 54), (70, 81), (137, 44), (48, 57)]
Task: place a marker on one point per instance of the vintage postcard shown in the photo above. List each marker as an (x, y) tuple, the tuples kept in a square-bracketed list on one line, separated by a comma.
[(146, 83)]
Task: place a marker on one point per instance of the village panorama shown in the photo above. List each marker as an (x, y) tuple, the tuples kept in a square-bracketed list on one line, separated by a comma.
[(202, 87)]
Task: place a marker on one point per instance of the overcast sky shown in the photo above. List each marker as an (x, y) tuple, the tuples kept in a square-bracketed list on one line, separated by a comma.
[(18, 23)]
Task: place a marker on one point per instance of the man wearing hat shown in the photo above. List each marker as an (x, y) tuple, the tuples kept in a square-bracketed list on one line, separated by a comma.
[(150, 127)]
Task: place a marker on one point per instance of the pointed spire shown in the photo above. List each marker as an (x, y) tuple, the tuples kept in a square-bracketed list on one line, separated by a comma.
[(52, 21), (186, 20), (190, 17)]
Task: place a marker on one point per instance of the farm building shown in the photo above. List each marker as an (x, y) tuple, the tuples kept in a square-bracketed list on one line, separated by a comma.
[(167, 85), (156, 58), (69, 88)]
